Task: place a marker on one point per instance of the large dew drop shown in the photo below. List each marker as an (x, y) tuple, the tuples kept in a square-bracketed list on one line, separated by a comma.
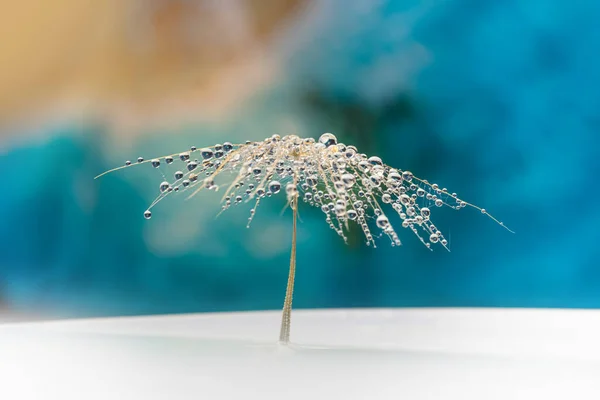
[(206, 153), (164, 186), (349, 180), (274, 187), (383, 222), (328, 139)]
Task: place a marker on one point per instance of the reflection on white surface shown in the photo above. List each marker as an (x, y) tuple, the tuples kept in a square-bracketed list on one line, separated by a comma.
[(346, 354)]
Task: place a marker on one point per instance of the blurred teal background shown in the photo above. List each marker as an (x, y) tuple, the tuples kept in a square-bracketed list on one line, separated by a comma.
[(498, 101)]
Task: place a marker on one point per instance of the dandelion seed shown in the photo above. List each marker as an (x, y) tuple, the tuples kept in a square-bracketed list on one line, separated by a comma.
[(349, 188)]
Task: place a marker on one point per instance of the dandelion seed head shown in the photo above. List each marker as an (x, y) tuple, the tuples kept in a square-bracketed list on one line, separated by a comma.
[(350, 188)]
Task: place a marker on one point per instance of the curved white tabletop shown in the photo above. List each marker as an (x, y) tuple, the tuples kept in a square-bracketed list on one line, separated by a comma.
[(337, 354)]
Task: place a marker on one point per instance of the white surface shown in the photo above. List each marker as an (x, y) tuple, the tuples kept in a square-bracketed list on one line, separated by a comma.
[(338, 354)]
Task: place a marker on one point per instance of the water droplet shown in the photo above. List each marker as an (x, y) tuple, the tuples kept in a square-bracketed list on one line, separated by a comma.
[(383, 222), (375, 161), (425, 212), (328, 139), (178, 175), (192, 165), (407, 176), (140, 159), (352, 215), (439, 203), (312, 180), (375, 180), (147, 214), (164, 186), (274, 187), (349, 180), (168, 159), (127, 162), (386, 198), (434, 238), (155, 163), (227, 146), (206, 153)]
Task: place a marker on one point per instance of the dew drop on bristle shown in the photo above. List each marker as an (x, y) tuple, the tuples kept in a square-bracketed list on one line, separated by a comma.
[(349, 180), (164, 186), (328, 139), (140, 159), (178, 175), (352, 215), (192, 165), (128, 163), (375, 161), (147, 214), (383, 222), (274, 187), (169, 159), (312, 180), (206, 153), (155, 163), (184, 156)]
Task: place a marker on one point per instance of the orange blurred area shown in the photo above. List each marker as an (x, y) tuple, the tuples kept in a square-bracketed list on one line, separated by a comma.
[(136, 59)]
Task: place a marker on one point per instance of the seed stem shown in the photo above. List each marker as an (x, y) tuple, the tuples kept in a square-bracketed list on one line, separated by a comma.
[(286, 318)]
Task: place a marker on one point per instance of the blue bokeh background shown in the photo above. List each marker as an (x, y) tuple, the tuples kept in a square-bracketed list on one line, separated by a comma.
[(498, 101)]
